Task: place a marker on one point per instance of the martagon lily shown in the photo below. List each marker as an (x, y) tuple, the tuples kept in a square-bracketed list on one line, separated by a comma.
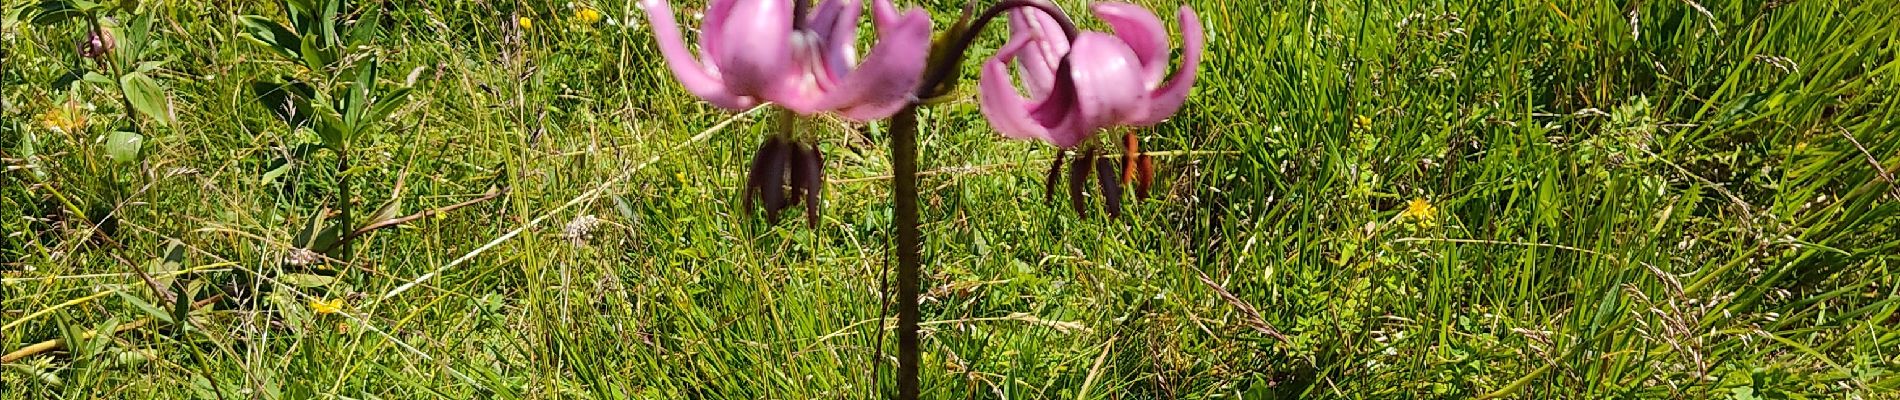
[(1081, 86), (801, 59)]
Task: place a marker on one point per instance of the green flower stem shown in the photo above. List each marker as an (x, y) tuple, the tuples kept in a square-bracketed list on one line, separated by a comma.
[(904, 191), (909, 247)]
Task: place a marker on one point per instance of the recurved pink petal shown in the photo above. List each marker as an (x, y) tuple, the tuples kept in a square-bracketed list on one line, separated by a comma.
[(714, 22), (836, 23), (1006, 109), (1108, 82), (756, 54), (688, 70), (1165, 101), (889, 74), (1047, 44), (883, 13), (1143, 32)]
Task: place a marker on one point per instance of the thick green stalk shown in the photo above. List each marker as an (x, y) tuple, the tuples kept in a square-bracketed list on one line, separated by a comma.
[(909, 247)]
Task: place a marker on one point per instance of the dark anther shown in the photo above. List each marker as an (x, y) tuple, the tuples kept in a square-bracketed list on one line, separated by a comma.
[(808, 178), (1111, 186), (755, 175), (1146, 178), (1055, 173), (766, 181), (1131, 148), (1078, 180)]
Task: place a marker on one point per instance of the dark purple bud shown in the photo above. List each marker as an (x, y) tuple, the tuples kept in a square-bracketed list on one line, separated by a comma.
[(96, 44)]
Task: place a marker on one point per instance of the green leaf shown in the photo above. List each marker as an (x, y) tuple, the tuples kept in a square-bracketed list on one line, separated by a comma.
[(357, 100), (147, 307), (288, 101), (329, 125), (149, 66), (387, 105), (123, 147), (367, 26), (96, 78), (316, 56), (51, 12), (85, 5), (273, 35), (307, 281), (147, 97)]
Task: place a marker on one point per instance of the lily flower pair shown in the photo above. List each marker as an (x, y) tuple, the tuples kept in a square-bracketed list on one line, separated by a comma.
[(805, 61)]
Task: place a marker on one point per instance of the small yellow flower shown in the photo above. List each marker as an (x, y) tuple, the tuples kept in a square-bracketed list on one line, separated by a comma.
[(326, 307), (1362, 123), (68, 119), (1421, 211), (587, 15), (525, 23)]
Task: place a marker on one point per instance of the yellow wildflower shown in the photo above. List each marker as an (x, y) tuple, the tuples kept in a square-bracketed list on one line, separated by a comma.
[(68, 119), (1421, 211), (525, 23), (587, 15), (1362, 123), (326, 307)]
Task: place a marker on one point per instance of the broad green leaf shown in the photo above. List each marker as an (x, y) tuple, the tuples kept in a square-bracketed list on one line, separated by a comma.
[(147, 97), (315, 55), (288, 101), (273, 35), (357, 101), (367, 26), (85, 5), (51, 12), (123, 147), (330, 127)]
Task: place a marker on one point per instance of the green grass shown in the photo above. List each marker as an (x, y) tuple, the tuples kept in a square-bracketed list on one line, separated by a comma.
[(1699, 205)]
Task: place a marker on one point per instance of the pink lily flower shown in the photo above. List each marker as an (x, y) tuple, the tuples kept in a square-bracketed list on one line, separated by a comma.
[(751, 51), (1084, 84)]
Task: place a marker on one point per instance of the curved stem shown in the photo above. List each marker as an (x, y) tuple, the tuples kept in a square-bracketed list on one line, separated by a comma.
[(938, 73)]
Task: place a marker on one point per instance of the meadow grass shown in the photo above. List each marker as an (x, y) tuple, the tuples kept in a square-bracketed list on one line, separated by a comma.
[(1362, 199)]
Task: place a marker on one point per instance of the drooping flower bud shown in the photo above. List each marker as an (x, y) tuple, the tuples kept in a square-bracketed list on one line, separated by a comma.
[(96, 44)]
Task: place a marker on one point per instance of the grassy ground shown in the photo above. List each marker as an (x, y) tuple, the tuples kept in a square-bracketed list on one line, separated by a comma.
[(1655, 199)]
